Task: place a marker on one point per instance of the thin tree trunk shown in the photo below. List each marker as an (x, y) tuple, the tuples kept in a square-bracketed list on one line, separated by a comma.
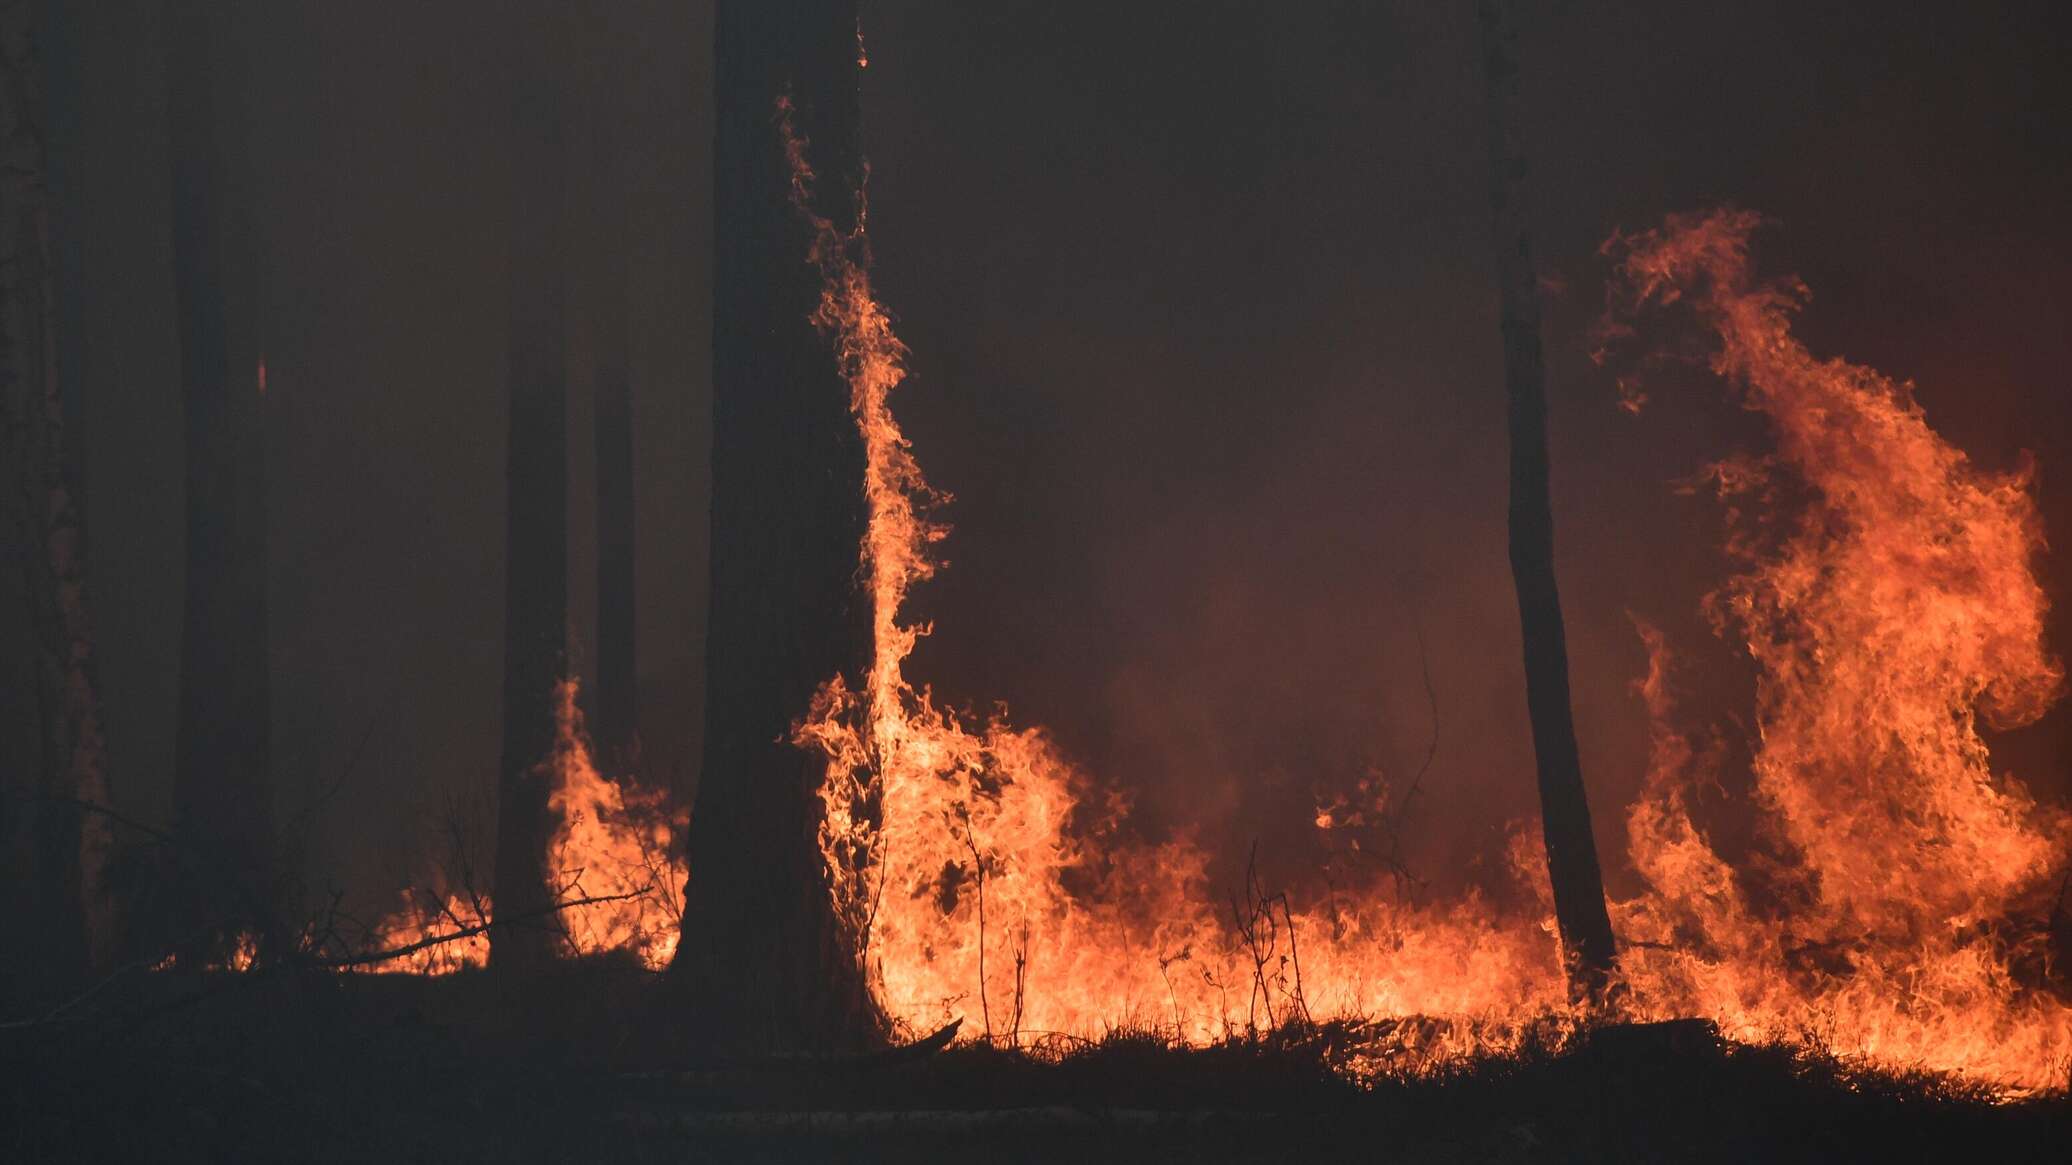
[(58, 49), (59, 853), (222, 795), (536, 518), (1586, 932), (764, 963), (615, 729)]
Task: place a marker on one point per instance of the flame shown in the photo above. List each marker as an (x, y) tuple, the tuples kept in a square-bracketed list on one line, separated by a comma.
[(984, 873), (615, 841), (1884, 615), (612, 842)]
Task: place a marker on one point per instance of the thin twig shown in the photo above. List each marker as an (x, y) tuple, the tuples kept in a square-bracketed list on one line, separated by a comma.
[(979, 863), (1295, 957), (383, 956)]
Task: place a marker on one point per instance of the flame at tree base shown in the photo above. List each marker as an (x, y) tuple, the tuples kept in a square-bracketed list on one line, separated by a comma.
[(987, 877), (612, 842), (1885, 615)]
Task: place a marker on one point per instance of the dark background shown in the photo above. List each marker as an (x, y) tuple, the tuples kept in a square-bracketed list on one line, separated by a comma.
[(1201, 300)]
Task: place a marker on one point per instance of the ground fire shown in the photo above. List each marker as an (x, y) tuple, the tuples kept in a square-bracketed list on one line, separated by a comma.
[(509, 486), (611, 842), (1888, 609), (1885, 616)]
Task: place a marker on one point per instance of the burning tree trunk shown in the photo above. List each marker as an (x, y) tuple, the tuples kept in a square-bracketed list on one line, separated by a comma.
[(1586, 931), (764, 961), (222, 798), (536, 517), (57, 853)]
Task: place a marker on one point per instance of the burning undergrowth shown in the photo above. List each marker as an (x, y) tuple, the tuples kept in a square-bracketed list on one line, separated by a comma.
[(1894, 906), (984, 873), (1886, 614), (986, 876), (612, 863)]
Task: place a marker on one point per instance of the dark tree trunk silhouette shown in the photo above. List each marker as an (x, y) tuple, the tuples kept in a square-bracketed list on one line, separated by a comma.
[(763, 962), (56, 854), (222, 795), (1586, 931), (536, 517), (615, 727), (57, 41)]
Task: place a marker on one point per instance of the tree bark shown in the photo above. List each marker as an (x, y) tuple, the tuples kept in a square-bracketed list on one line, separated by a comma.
[(56, 853), (1586, 932), (615, 728), (536, 515), (57, 41), (222, 795), (764, 965)]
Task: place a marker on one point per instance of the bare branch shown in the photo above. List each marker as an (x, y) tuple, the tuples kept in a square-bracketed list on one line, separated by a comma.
[(411, 948)]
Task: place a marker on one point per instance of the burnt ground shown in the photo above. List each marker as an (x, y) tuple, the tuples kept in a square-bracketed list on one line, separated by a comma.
[(324, 1068)]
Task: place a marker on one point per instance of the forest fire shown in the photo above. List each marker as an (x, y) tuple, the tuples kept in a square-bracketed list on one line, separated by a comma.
[(997, 883), (1889, 613), (611, 854), (1481, 690), (987, 874)]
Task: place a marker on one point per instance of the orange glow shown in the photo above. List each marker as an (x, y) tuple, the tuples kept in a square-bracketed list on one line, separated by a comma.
[(1884, 616), (959, 891), (987, 877), (611, 842)]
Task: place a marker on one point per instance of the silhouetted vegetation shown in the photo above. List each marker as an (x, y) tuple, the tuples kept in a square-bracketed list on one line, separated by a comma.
[(322, 1067)]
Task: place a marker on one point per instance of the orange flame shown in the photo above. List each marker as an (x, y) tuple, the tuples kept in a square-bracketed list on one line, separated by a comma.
[(612, 842), (1891, 611), (983, 872), (616, 842), (951, 847)]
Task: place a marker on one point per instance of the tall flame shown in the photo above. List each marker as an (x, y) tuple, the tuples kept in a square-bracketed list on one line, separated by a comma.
[(612, 842), (1884, 616), (615, 841), (985, 874)]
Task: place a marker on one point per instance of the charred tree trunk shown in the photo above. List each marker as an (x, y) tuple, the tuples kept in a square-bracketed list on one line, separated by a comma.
[(222, 795), (615, 728), (764, 963), (57, 854), (57, 49), (1586, 931), (536, 516)]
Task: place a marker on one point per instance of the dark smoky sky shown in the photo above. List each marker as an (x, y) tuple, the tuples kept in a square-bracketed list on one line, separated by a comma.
[(1201, 306)]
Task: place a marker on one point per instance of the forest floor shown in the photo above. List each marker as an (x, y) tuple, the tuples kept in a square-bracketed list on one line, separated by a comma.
[(396, 1068)]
